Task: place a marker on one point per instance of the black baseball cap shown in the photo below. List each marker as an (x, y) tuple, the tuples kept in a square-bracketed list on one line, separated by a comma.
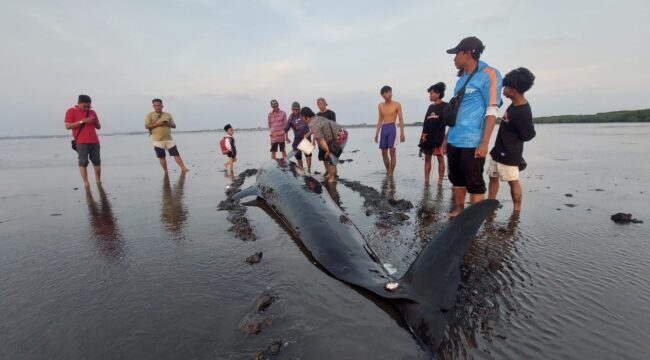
[(471, 44)]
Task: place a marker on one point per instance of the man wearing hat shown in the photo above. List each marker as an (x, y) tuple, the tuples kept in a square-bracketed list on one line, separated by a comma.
[(467, 141), (83, 122), (277, 120), (300, 132)]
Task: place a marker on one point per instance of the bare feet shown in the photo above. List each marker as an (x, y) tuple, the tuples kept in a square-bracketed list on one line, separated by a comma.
[(455, 212), (185, 169), (439, 182), (86, 184)]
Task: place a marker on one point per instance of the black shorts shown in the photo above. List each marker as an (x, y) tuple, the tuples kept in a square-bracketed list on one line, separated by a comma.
[(160, 152), (321, 154), (299, 154), (465, 170), (276, 145), (88, 151), (231, 154)]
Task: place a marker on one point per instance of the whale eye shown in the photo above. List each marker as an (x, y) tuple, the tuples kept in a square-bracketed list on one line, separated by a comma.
[(392, 286)]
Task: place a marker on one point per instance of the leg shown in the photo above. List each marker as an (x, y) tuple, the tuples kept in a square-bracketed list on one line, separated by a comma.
[(474, 198), (98, 173), (84, 175), (393, 160), (299, 163), (83, 153), (163, 163), (308, 163), (441, 169), (160, 154), (515, 192), (427, 168), (179, 161), (459, 200), (384, 156), (272, 155), (493, 188), (474, 168), (332, 174)]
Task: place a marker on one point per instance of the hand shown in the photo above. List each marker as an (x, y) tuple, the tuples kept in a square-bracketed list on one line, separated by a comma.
[(88, 120), (481, 151), (402, 138), (376, 138)]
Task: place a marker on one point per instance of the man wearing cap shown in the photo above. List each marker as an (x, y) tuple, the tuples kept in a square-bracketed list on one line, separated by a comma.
[(160, 125), (277, 120), (467, 141), (300, 132), (83, 122)]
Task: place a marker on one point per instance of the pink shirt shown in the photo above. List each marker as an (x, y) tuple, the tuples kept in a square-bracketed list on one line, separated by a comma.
[(277, 121)]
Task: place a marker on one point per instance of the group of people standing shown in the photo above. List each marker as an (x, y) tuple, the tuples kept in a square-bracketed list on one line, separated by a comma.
[(470, 117)]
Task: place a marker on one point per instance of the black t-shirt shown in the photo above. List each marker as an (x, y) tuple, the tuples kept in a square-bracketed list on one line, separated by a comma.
[(515, 128), (328, 114), (433, 130)]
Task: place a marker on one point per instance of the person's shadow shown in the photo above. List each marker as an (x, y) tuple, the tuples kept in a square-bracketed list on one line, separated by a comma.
[(173, 213), (103, 225)]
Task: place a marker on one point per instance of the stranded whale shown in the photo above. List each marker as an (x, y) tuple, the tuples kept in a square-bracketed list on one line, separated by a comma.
[(426, 291)]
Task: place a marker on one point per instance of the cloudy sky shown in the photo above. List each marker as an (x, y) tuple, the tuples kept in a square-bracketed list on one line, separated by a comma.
[(215, 61)]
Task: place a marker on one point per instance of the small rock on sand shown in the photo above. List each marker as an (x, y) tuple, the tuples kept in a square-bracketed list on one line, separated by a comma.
[(568, 195), (625, 218), (255, 258)]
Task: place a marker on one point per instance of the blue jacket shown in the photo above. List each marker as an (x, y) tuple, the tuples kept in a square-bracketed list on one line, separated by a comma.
[(482, 91)]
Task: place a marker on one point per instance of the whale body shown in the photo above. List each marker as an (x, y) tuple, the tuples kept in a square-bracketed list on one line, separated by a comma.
[(422, 295)]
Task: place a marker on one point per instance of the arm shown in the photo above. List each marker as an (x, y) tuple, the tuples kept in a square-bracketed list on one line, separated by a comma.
[(333, 116), (378, 123), (491, 90), (402, 137), (323, 145), (525, 127), (149, 124), (171, 123)]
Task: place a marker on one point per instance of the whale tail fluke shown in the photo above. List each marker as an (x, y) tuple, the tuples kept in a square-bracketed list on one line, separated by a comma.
[(435, 275)]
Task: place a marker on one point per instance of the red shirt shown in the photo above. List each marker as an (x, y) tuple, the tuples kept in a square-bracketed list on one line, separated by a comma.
[(88, 134)]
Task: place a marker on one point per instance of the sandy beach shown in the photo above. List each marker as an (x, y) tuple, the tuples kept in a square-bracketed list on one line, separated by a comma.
[(148, 269)]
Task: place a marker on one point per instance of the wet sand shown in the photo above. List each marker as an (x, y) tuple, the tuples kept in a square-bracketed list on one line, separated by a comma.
[(148, 268)]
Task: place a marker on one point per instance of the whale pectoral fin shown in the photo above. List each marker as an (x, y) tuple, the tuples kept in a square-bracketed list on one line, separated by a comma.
[(251, 191)]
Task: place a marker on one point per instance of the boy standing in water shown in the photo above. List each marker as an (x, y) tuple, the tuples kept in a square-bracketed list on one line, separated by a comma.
[(432, 140), (389, 110), (516, 128), (228, 148)]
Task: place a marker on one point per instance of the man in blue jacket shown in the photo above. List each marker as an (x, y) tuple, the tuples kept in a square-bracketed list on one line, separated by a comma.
[(468, 140)]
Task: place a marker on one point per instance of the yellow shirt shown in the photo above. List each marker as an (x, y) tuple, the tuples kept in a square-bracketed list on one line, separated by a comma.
[(161, 133)]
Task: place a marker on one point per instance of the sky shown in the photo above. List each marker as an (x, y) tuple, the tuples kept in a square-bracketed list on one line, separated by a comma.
[(215, 62)]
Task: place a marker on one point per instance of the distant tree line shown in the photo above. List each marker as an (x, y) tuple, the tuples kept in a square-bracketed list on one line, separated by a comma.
[(631, 116)]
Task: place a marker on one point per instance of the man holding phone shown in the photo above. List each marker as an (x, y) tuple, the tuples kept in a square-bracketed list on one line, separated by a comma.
[(160, 125), (83, 122)]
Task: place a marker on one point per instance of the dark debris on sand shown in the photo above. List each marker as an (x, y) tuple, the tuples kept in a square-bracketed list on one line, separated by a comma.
[(254, 321), (255, 258), (272, 350), (236, 211), (624, 218), (390, 211)]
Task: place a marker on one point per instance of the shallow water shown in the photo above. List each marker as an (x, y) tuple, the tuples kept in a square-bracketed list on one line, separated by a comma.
[(148, 268)]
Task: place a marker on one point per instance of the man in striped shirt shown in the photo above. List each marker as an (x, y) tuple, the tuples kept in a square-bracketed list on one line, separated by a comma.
[(468, 140)]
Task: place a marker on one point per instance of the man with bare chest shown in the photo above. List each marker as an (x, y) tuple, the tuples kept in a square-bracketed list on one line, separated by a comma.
[(389, 111)]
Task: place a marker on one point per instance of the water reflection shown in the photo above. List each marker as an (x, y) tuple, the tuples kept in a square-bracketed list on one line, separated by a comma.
[(388, 187), (430, 214), (334, 194), (103, 225), (489, 276), (173, 212)]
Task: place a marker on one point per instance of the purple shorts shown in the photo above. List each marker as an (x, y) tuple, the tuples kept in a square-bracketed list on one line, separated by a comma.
[(387, 136)]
